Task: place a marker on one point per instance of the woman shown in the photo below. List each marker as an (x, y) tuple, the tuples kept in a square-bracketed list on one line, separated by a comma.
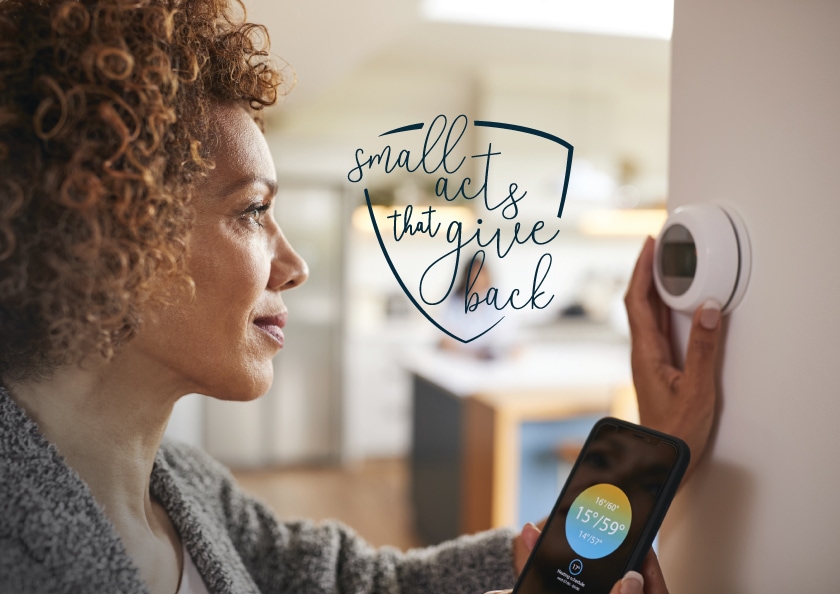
[(140, 261)]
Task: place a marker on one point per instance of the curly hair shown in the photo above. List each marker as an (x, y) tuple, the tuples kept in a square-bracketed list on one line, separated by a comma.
[(103, 124)]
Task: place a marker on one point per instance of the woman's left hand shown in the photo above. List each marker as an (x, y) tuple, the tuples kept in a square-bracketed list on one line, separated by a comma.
[(650, 581)]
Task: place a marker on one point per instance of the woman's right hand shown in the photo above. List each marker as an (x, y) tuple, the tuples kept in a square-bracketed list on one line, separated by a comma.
[(650, 581)]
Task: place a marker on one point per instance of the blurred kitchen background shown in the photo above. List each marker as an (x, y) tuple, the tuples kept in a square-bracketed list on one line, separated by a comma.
[(368, 420)]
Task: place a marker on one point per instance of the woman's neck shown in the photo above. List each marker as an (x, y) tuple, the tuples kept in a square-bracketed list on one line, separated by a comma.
[(108, 424)]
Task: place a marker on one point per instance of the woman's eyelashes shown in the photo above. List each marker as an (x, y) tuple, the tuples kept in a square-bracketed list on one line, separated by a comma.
[(254, 214)]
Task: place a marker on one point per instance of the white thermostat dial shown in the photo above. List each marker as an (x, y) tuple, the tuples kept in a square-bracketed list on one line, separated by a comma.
[(702, 253)]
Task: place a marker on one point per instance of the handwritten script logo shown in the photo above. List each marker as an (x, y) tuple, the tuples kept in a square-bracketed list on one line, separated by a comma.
[(458, 162)]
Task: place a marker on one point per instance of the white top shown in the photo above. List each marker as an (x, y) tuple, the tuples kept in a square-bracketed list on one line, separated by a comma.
[(191, 582)]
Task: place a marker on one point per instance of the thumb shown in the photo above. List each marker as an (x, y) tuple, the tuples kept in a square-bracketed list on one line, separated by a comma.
[(530, 535), (631, 583), (703, 341)]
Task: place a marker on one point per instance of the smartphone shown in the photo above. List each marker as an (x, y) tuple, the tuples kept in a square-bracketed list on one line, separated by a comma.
[(608, 512)]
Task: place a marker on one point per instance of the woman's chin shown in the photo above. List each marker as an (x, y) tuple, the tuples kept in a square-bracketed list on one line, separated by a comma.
[(248, 387)]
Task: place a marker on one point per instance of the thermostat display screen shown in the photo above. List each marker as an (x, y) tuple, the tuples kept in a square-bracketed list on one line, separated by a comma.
[(678, 260)]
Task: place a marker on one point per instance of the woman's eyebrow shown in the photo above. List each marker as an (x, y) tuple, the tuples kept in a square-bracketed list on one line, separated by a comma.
[(248, 181)]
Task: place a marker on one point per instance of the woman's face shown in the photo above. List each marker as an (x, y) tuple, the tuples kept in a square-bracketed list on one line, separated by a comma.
[(221, 343)]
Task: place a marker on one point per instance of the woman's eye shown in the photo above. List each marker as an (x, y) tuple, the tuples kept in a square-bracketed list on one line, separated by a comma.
[(256, 212)]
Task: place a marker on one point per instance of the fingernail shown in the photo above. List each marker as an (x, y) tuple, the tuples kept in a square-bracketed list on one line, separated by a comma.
[(530, 535), (632, 583), (710, 316)]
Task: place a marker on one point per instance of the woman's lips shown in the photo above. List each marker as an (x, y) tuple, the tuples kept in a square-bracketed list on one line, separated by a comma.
[(273, 326)]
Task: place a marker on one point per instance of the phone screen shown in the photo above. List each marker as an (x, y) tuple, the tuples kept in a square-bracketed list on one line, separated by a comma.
[(616, 489)]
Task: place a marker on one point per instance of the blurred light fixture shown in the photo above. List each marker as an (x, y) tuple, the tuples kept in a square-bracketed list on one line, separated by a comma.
[(626, 222), (629, 18)]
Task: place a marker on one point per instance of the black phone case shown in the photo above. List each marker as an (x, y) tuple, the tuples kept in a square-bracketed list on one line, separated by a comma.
[(669, 489)]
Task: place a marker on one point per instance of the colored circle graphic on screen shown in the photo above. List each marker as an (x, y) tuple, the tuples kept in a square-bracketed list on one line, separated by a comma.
[(598, 521)]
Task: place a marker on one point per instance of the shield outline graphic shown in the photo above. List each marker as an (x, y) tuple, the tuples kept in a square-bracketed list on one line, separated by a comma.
[(477, 124)]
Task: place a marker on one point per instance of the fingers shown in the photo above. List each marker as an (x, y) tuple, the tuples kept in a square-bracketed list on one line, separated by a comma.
[(530, 535), (703, 341), (631, 583), (648, 316), (701, 366), (698, 386), (636, 299), (645, 317), (650, 581), (523, 544), (652, 572)]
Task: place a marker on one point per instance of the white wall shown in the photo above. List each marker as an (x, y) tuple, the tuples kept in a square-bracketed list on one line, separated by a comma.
[(756, 123), (186, 423)]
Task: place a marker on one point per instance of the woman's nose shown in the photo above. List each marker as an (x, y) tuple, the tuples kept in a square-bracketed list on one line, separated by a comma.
[(288, 269)]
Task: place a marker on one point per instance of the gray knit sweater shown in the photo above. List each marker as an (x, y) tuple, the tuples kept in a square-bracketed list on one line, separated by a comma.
[(54, 537)]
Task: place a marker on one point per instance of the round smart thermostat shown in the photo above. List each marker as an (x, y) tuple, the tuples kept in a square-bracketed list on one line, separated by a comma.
[(702, 253)]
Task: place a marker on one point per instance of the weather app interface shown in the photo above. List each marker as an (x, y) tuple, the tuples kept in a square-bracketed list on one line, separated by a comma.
[(604, 508)]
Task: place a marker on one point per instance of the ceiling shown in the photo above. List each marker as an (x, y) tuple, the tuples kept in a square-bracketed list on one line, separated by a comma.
[(329, 42), (371, 65)]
